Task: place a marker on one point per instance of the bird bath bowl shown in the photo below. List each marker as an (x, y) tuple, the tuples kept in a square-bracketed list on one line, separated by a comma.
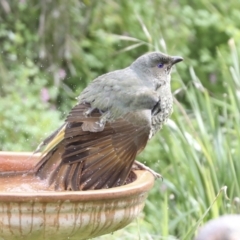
[(33, 215)]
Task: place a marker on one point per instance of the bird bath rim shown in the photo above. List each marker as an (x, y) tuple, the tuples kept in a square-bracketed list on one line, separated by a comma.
[(143, 183)]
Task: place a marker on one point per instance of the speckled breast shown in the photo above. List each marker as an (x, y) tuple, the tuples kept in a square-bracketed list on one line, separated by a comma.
[(166, 109)]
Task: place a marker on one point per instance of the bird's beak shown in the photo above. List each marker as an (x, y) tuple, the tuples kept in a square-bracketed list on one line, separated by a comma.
[(176, 59)]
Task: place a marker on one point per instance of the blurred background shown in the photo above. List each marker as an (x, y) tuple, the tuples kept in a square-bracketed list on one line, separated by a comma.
[(50, 50)]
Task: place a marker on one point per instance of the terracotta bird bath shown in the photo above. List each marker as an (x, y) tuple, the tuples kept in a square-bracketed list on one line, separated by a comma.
[(32, 214)]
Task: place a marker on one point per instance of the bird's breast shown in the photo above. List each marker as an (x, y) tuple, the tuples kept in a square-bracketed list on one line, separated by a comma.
[(165, 111)]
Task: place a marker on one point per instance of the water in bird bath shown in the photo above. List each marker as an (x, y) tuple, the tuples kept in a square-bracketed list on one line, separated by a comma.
[(11, 178), (22, 183), (26, 182)]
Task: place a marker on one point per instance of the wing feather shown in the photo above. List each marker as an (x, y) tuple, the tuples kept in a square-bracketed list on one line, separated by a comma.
[(92, 160)]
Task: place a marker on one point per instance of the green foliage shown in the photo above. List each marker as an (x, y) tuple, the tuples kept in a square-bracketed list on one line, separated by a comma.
[(25, 115), (50, 50)]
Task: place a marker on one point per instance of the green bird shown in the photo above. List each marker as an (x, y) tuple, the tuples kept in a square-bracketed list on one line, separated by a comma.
[(116, 114)]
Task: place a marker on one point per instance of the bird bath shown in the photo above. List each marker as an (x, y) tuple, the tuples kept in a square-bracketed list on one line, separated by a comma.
[(31, 214)]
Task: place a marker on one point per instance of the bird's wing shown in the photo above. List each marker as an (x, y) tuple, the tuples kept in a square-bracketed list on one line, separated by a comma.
[(94, 160)]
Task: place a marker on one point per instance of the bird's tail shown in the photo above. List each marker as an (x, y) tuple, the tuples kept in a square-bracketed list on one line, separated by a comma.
[(52, 140), (50, 159), (51, 151)]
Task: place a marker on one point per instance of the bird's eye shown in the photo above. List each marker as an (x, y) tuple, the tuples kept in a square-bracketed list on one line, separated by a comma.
[(160, 65)]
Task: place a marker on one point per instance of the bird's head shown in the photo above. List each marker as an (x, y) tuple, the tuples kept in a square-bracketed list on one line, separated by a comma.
[(156, 66)]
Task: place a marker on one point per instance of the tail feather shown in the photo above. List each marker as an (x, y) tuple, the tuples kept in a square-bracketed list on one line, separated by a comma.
[(52, 140), (49, 162)]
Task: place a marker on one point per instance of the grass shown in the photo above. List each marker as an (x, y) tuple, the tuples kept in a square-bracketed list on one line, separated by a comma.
[(198, 155)]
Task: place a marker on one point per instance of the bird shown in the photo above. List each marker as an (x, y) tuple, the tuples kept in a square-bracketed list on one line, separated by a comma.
[(115, 116)]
